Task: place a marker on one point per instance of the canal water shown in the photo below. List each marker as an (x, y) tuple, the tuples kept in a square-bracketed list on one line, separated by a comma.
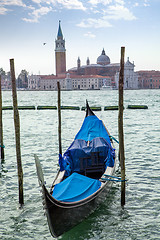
[(140, 218)]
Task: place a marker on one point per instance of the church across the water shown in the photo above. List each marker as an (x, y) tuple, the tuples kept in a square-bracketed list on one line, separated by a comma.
[(84, 77), (103, 67)]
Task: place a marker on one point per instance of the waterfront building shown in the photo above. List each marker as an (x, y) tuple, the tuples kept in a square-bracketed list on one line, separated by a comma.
[(68, 82), (34, 82), (130, 77), (87, 82), (73, 82), (149, 79), (6, 81), (49, 82)]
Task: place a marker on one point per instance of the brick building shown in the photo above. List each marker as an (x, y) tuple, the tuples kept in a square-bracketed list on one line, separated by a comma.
[(149, 79)]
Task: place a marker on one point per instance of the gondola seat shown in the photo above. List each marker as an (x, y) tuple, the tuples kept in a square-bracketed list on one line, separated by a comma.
[(92, 166)]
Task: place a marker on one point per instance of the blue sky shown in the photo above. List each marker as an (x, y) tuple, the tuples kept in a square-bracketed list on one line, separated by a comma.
[(88, 26)]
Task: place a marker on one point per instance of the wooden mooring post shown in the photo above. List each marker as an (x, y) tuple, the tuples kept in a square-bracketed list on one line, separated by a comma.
[(17, 132), (120, 127), (59, 117), (1, 123)]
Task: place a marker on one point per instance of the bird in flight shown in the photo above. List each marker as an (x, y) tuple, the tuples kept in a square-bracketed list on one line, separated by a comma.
[(44, 43)]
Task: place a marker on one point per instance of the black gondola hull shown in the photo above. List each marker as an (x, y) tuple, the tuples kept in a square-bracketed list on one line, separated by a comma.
[(62, 216)]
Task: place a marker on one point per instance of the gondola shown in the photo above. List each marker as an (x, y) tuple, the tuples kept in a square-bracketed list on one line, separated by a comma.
[(82, 182)]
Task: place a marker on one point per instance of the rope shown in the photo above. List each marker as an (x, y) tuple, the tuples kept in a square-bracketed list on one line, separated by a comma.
[(115, 179), (114, 139), (112, 176)]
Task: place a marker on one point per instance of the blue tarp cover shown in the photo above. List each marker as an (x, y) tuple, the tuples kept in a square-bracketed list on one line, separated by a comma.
[(80, 149), (75, 188), (92, 130)]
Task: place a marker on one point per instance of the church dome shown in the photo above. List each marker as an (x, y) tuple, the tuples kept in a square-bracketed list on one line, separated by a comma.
[(103, 59)]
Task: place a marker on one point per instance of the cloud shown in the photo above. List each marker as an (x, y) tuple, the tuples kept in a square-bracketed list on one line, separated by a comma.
[(136, 4), (146, 4), (71, 4), (120, 2), (68, 4), (113, 12), (37, 13), (3, 10), (106, 10), (96, 2), (4, 4), (37, 1), (43, 10), (94, 23), (105, 2), (117, 12), (12, 3), (44, 6), (89, 35)]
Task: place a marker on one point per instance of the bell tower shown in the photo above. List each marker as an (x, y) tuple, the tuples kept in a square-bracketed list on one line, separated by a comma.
[(60, 52)]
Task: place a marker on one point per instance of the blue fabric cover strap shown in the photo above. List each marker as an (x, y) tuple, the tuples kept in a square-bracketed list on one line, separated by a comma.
[(75, 188)]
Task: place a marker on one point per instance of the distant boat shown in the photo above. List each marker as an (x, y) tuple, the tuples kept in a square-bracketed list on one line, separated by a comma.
[(106, 87), (81, 183)]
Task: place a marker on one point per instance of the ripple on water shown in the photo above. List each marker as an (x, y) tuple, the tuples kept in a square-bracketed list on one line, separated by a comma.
[(140, 218)]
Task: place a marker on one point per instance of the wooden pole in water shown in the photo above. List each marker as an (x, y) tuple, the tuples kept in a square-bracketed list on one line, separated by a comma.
[(1, 124), (17, 132), (120, 127), (59, 117)]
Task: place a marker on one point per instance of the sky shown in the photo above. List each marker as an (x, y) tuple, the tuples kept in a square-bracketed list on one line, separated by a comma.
[(88, 26)]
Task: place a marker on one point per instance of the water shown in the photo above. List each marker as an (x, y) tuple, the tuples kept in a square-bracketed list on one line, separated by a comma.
[(140, 218)]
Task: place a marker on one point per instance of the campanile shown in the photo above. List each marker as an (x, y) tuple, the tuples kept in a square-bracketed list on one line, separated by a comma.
[(60, 52)]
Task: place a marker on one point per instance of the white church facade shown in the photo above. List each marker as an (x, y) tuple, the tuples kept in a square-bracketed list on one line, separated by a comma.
[(130, 77)]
